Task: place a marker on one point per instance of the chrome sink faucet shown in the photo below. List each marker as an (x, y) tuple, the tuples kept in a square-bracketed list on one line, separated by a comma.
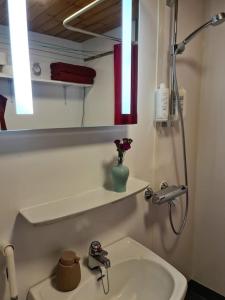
[(97, 257)]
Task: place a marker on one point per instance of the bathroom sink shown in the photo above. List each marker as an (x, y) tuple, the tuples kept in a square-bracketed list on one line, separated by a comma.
[(136, 273)]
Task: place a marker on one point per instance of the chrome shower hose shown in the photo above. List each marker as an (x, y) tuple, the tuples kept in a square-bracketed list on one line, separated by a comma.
[(175, 93)]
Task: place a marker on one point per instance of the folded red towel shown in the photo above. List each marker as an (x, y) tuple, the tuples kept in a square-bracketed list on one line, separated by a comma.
[(3, 101), (72, 69), (69, 77)]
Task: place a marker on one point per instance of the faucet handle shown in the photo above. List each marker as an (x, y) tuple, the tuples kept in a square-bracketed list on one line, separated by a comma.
[(95, 248)]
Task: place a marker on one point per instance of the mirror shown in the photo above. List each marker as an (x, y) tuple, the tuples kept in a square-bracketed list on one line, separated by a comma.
[(77, 69)]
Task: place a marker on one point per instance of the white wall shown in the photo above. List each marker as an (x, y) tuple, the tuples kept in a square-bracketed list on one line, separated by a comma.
[(52, 164), (209, 241)]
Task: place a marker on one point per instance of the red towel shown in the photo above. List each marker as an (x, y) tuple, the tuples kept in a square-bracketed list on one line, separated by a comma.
[(3, 101), (69, 77), (73, 69)]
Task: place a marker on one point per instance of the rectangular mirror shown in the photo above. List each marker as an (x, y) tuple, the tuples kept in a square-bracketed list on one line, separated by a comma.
[(79, 67)]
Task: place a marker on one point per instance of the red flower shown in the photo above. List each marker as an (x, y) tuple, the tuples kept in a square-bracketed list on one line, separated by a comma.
[(117, 142), (125, 146), (122, 147)]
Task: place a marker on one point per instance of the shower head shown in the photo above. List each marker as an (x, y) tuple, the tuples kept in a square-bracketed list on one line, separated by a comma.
[(218, 19), (214, 21)]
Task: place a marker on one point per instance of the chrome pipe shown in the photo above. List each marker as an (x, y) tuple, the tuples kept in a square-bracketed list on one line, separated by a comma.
[(79, 13), (174, 12)]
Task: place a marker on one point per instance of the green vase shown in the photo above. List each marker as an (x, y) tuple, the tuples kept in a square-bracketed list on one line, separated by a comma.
[(120, 174)]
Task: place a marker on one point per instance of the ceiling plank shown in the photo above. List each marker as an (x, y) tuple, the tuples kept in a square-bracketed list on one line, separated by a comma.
[(99, 19), (49, 27), (46, 16)]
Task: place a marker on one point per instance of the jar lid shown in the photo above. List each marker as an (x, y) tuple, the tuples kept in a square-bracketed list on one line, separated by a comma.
[(68, 258)]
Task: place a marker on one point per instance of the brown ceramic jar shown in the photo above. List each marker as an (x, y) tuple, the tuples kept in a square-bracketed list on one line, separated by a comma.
[(68, 274)]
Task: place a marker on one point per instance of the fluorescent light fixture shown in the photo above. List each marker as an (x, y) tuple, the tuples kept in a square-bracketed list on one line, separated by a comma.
[(126, 55), (20, 56)]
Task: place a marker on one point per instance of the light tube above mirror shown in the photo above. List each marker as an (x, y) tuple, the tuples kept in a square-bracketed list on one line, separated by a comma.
[(20, 56), (126, 55)]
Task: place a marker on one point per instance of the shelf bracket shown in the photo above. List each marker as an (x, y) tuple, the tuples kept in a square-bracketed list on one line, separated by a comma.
[(65, 94)]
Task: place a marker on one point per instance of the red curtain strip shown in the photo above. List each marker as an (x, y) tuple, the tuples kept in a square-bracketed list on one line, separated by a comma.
[(3, 102)]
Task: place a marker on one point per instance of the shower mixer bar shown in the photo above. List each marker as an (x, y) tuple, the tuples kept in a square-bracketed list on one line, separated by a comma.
[(166, 194)]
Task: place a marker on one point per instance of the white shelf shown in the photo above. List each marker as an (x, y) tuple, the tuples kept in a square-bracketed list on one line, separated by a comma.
[(57, 82), (54, 211), (6, 76), (49, 81)]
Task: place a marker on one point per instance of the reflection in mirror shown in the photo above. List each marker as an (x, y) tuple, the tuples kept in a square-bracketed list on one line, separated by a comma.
[(83, 64)]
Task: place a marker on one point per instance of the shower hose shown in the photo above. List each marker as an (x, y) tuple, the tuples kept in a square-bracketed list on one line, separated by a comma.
[(177, 98)]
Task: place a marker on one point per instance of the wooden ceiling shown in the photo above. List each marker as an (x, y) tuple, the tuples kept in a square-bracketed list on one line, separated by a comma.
[(46, 17)]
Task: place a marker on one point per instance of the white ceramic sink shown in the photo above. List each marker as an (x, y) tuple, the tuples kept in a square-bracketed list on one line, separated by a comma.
[(136, 274)]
